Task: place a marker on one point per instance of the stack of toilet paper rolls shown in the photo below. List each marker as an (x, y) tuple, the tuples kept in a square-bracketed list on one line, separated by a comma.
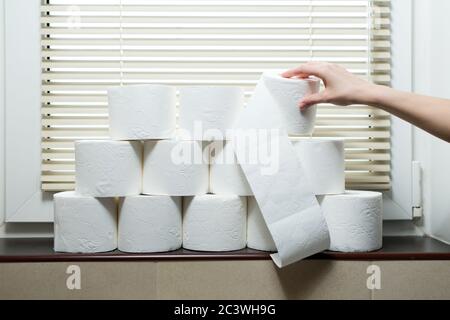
[(148, 188), (160, 184)]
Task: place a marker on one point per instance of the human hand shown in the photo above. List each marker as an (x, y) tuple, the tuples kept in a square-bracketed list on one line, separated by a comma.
[(341, 87)]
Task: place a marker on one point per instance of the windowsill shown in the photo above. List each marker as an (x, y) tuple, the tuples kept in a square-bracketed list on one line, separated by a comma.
[(395, 248)]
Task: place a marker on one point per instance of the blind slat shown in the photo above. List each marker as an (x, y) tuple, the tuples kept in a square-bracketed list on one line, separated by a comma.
[(381, 78), (350, 178), (54, 187), (200, 51), (319, 132), (216, 6), (89, 47), (333, 122)]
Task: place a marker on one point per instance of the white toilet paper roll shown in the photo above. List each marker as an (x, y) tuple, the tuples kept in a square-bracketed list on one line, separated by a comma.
[(323, 161), (150, 224), (207, 113), (355, 220), (84, 224), (278, 181), (258, 236), (287, 94), (107, 168), (142, 112), (214, 223), (226, 176), (175, 168)]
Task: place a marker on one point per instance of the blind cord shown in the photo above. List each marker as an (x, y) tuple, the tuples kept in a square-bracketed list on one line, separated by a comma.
[(311, 53), (369, 39)]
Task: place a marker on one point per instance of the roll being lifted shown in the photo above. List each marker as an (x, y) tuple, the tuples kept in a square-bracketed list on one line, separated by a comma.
[(283, 193), (286, 94)]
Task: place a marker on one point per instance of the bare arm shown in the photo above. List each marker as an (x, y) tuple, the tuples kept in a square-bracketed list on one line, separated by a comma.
[(343, 88)]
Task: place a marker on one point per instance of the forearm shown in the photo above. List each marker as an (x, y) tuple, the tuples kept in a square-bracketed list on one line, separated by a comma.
[(430, 114), (343, 88)]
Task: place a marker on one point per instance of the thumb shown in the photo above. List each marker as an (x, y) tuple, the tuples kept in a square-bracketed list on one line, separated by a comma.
[(311, 100)]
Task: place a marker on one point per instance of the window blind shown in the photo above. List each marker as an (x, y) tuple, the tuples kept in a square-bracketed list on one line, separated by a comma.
[(92, 44)]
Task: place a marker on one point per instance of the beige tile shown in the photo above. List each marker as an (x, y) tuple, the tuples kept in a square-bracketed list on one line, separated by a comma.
[(312, 279), (414, 280), (106, 280)]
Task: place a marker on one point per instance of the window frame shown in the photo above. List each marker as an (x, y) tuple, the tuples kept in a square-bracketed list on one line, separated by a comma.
[(398, 202), (24, 200), (2, 111)]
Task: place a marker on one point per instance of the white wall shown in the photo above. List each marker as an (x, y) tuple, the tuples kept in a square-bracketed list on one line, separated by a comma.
[(2, 113), (432, 77)]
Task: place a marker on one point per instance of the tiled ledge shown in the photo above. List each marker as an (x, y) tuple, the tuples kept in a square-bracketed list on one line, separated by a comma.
[(395, 248)]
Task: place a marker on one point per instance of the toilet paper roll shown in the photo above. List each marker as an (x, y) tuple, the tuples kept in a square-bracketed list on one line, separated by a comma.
[(286, 94), (214, 223), (355, 220), (258, 236), (175, 168), (207, 113), (277, 179), (142, 112), (323, 162), (84, 224), (108, 168), (150, 224), (226, 176)]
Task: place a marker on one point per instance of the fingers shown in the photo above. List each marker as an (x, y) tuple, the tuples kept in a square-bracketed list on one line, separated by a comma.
[(317, 69), (297, 72), (311, 100)]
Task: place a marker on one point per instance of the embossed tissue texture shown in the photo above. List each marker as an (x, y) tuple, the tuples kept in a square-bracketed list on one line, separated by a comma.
[(108, 168), (84, 224), (286, 199), (215, 108), (323, 162), (175, 168), (258, 236), (226, 175), (150, 224), (355, 220), (286, 94), (141, 112), (215, 223)]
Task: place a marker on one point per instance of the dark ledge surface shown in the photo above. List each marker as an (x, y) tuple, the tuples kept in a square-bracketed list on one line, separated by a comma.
[(395, 248)]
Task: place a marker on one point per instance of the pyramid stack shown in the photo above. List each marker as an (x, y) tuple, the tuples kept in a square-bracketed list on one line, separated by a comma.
[(164, 181)]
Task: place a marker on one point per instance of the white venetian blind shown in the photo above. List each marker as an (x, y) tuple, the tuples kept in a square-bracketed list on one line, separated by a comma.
[(92, 44)]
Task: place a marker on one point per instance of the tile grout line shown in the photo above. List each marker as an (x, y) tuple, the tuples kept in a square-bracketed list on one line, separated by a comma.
[(157, 281), (372, 293)]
